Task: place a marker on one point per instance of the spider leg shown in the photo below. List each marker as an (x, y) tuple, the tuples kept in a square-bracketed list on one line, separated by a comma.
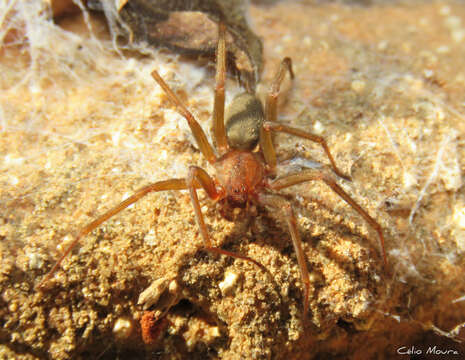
[(277, 203), (202, 142), (268, 126), (218, 108), (314, 174), (198, 176), (271, 106), (172, 184)]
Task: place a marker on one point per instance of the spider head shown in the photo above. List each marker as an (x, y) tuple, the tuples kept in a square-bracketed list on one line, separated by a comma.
[(238, 196), (236, 206)]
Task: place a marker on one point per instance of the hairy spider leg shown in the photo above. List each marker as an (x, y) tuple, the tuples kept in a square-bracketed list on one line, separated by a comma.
[(201, 139), (172, 184), (315, 174), (266, 143), (278, 203), (219, 132), (271, 124), (198, 176)]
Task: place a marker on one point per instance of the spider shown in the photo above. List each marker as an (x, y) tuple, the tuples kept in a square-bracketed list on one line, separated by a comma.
[(245, 173)]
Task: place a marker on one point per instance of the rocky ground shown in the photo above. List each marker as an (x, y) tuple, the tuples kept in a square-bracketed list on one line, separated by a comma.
[(84, 126)]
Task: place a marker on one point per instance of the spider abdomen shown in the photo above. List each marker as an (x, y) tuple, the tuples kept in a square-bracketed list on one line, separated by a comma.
[(243, 119)]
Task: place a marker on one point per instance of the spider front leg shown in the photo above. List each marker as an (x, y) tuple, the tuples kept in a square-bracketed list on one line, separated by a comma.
[(219, 131), (309, 175), (201, 139), (172, 184), (199, 177), (271, 106), (278, 203)]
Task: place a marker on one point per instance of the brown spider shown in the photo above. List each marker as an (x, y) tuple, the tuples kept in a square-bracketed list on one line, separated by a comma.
[(244, 177)]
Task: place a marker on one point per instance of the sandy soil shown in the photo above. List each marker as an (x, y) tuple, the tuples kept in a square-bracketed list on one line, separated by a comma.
[(83, 127)]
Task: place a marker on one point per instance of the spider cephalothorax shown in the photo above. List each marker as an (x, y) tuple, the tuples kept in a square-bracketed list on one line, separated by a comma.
[(240, 176)]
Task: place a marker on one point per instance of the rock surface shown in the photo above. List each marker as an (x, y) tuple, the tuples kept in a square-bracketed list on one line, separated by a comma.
[(83, 127)]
